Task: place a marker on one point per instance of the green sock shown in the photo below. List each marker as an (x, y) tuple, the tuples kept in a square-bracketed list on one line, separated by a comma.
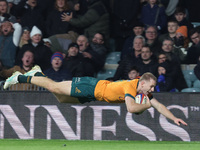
[(24, 79), (39, 74)]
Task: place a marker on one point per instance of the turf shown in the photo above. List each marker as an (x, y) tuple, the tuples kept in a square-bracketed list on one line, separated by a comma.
[(13, 144)]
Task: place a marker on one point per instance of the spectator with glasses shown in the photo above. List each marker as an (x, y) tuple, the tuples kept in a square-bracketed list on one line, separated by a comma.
[(152, 40)]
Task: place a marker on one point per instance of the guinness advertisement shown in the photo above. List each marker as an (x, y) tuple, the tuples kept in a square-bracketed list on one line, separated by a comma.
[(38, 115)]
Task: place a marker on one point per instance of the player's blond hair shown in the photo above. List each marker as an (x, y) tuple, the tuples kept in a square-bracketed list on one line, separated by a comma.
[(148, 76)]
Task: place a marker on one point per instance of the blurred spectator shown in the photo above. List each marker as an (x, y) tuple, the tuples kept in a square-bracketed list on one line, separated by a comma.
[(179, 80), (124, 15), (25, 66), (170, 6), (4, 15), (172, 26), (133, 73), (96, 19), (47, 42), (165, 82), (151, 35), (147, 64), (180, 16), (9, 41), (88, 53), (181, 43), (138, 29), (193, 7), (25, 37), (97, 44), (197, 69), (60, 42), (76, 63), (130, 59), (153, 14), (54, 22), (57, 72), (29, 14), (42, 53), (194, 51)]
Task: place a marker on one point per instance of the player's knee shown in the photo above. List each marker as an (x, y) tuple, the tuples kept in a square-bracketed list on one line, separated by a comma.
[(53, 88)]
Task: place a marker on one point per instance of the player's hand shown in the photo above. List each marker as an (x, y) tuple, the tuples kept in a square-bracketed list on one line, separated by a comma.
[(180, 121)]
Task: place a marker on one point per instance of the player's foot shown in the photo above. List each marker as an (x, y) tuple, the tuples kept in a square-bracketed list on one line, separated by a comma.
[(33, 71), (12, 80)]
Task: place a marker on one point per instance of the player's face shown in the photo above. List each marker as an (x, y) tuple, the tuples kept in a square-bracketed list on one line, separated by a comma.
[(195, 38), (137, 44), (138, 30), (172, 27), (167, 46), (180, 16), (148, 86)]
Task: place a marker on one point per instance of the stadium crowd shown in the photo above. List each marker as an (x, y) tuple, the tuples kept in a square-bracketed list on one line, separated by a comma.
[(71, 38)]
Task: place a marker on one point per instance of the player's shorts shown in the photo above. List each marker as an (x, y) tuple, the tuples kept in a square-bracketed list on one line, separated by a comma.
[(83, 88)]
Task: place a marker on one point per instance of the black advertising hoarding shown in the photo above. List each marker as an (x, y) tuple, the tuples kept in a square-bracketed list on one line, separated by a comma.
[(38, 115)]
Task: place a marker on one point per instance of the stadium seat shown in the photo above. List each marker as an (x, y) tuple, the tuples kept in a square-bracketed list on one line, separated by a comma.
[(189, 83), (113, 58), (191, 90), (196, 84), (105, 74), (189, 75), (195, 24)]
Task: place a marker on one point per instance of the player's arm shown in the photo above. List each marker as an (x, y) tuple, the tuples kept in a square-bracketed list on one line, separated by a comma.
[(133, 107), (164, 111)]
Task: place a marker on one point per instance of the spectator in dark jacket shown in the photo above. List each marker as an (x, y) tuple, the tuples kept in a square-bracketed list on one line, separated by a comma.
[(88, 53), (57, 72), (96, 19), (193, 52), (76, 63), (54, 23), (165, 82), (138, 29), (130, 59), (197, 69), (154, 15), (29, 14), (180, 16), (42, 53)]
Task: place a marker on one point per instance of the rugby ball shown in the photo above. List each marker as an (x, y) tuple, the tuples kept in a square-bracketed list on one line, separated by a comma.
[(140, 99)]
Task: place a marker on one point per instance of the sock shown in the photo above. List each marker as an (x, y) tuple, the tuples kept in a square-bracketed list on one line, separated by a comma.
[(24, 79), (39, 74)]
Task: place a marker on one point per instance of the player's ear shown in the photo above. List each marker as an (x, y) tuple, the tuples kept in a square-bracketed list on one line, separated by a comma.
[(142, 82)]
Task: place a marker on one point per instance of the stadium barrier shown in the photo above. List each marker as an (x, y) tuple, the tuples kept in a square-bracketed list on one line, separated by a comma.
[(38, 115)]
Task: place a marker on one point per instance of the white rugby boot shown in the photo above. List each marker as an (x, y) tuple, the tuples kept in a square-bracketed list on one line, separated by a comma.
[(33, 71), (12, 80)]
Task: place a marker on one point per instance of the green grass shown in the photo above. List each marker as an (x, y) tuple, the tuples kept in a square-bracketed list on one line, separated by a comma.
[(13, 144)]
